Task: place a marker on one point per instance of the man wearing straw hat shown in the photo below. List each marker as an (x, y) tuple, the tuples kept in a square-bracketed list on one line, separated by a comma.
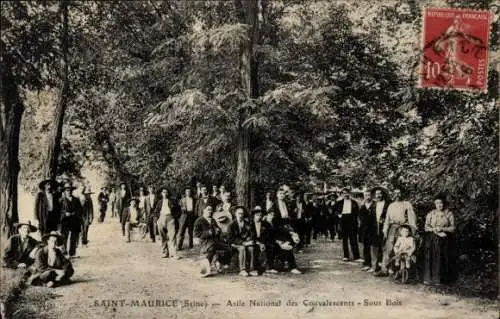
[(71, 220), (19, 247), (51, 267), (46, 212)]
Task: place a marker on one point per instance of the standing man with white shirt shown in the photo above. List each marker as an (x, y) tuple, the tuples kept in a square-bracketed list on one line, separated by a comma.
[(399, 212), (167, 224), (151, 217), (284, 213), (349, 211), (187, 218)]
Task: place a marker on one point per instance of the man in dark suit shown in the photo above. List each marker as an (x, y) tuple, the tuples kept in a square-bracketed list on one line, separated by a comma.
[(122, 199), (206, 229), (261, 235), (18, 248), (349, 211), (240, 237), (203, 201), (103, 199), (280, 244), (46, 208), (366, 213), (187, 218), (167, 215), (71, 220), (87, 213), (376, 225)]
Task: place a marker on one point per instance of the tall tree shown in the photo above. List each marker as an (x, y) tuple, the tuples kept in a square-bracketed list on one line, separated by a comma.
[(27, 50), (54, 148), (248, 12), (12, 108)]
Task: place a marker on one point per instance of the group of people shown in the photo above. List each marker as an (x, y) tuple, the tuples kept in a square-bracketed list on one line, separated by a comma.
[(224, 229), (260, 240)]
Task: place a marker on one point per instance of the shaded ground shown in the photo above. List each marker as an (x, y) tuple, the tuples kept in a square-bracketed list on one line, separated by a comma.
[(110, 269)]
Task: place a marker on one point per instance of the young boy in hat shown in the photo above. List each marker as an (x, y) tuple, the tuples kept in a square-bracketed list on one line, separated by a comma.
[(19, 247), (50, 267)]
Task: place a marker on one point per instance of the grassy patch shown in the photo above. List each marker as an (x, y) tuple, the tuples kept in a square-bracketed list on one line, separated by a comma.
[(11, 288)]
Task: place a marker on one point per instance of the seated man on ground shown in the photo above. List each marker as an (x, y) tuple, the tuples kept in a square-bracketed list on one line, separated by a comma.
[(261, 231), (281, 241), (206, 229), (51, 267), (19, 247), (133, 218), (240, 237)]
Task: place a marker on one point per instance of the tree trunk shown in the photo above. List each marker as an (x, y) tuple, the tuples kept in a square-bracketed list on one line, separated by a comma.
[(54, 149), (248, 13), (12, 109)]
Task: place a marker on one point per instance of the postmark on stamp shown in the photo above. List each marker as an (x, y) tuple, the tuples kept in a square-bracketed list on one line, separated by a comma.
[(455, 49)]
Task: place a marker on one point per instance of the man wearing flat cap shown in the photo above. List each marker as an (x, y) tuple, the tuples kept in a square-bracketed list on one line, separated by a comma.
[(18, 248), (51, 267), (46, 208), (71, 220)]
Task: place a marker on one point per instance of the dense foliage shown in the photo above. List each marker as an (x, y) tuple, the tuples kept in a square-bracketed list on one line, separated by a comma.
[(156, 93)]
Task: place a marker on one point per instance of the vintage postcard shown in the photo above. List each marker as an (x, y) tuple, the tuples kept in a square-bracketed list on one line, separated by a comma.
[(249, 159)]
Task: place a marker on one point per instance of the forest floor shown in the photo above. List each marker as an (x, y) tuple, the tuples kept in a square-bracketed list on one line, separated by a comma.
[(111, 270)]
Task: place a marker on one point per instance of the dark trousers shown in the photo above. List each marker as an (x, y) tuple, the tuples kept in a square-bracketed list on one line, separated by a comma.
[(286, 255), (367, 251), (307, 230), (245, 256), (120, 213), (319, 225), (331, 225), (103, 214), (70, 230), (85, 233), (299, 226), (270, 255), (349, 236), (186, 223), (151, 228)]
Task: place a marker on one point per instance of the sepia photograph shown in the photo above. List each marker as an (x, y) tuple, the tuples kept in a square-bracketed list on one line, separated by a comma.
[(249, 159)]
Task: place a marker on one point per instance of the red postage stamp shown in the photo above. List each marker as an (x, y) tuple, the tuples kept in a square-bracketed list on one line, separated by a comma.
[(455, 49)]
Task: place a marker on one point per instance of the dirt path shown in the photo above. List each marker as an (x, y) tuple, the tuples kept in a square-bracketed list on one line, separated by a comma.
[(110, 269)]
